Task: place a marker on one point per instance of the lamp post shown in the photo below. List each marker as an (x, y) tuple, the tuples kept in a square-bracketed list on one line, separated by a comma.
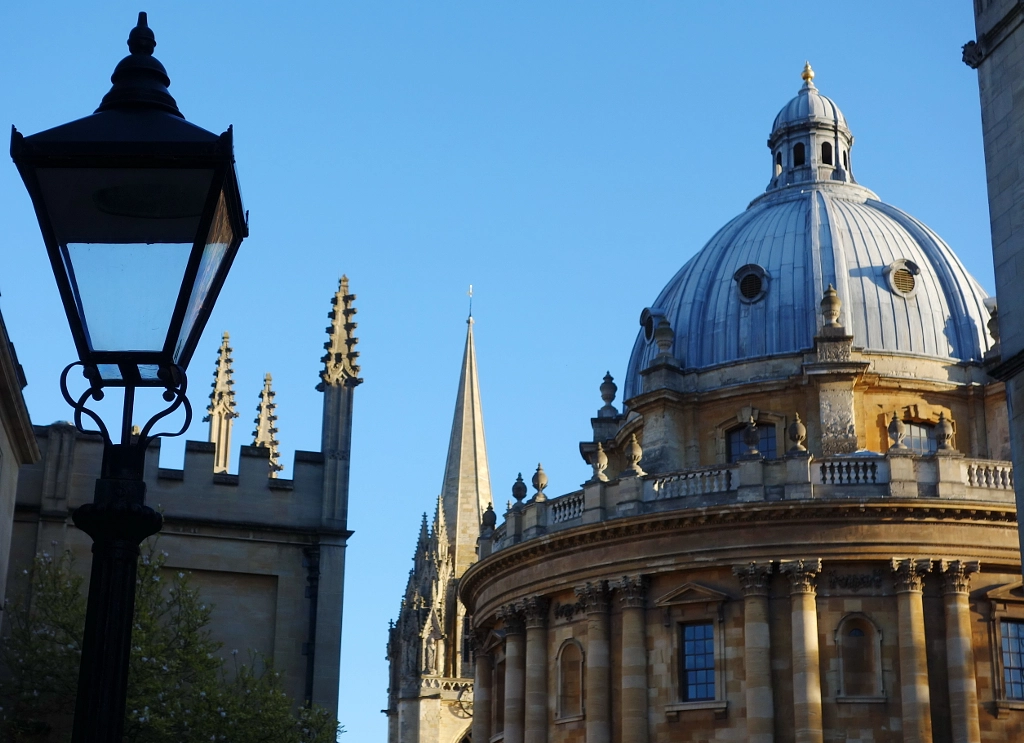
[(141, 216)]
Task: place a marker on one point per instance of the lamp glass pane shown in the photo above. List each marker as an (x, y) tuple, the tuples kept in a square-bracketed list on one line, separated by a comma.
[(125, 293), (218, 242)]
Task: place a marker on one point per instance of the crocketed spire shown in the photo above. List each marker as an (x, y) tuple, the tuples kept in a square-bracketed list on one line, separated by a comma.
[(340, 360), (265, 433), (221, 410)]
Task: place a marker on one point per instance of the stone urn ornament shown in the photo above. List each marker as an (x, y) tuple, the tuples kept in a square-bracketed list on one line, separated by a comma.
[(599, 461), (897, 432), (635, 454), (797, 434), (830, 306), (751, 437), (540, 481), (519, 491), (943, 433)]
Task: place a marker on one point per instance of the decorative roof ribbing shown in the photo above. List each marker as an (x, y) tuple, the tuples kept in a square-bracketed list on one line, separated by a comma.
[(815, 227)]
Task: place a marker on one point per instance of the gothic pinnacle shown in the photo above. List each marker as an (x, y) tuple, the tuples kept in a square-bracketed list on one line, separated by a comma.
[(221, 410), (264, 435), (340, 366)]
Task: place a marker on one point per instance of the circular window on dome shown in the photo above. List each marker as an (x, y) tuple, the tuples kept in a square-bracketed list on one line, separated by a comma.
[(751, 283), (902, 276)]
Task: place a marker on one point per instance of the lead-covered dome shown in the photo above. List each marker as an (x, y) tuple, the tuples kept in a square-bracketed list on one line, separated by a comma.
[(754, 290)]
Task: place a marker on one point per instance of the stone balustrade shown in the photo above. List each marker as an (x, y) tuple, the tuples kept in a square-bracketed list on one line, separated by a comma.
[(897, 475)]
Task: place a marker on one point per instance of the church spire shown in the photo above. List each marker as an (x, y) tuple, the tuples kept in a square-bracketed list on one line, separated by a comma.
[(263, 436), (467, 483), (221, 410)]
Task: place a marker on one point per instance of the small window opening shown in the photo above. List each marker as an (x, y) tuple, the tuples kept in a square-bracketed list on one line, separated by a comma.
[(1012, 635), (846, 163), (857, 649), (735, 447), (826, 153), (798, 154), (919, 438), (570, 681), (697, 682), (498, 710)]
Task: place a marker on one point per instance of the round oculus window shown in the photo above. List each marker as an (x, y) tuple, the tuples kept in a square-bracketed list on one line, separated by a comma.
[(902, 277), (751, 286), (903, 280), (751, 282)]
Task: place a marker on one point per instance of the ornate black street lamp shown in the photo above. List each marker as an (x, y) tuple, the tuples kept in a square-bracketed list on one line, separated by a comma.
[(141, 216)]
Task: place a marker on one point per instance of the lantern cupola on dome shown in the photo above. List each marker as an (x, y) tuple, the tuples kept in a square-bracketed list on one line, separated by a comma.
[(810, 140)]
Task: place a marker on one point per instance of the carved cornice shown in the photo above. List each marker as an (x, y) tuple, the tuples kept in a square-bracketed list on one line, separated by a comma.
[(803, 574), (881, 511), (754, 577), (632, 591), (535, 609), (908, 574), (956, 575), (511, 615), (594, 597)]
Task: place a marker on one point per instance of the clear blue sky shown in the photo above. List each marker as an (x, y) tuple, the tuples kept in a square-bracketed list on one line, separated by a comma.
[(565, 158)]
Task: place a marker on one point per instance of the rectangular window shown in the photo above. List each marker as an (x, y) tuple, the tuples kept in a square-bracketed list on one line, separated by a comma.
[(735, 448), (697, 662), (1012, 633)]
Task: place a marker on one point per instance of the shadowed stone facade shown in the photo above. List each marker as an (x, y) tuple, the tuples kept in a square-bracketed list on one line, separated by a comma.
[(268, 552), (18, 446)]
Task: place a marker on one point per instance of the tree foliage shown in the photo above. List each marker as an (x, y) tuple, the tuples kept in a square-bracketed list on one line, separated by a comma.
[(180, 689)]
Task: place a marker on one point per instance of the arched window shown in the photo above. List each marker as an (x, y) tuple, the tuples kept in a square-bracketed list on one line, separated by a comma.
[(798, 154), (919, 438), (846, 162), (778, 163), (735, 448), (570, 680), (859, 645), (826, 153)]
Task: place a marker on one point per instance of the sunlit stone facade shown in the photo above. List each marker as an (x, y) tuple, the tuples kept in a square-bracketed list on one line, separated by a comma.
[(801, 525)]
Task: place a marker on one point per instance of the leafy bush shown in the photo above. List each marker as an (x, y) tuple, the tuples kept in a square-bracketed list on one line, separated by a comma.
[(179, 689)]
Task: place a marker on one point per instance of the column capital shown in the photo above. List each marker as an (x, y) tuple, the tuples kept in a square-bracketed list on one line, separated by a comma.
[(803, 574), (593, 596), (754, 577), (908, 573), (512, 617), (632, 591), (535, 611), (956, 575)]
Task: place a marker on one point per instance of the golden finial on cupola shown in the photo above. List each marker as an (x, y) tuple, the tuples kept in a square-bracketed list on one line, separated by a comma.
[(808, 73)]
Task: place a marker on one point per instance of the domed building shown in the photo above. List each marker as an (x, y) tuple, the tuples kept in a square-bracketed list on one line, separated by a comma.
[(800, 526)]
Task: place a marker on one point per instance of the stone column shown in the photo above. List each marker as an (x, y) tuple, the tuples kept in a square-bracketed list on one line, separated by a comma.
[(963, 686), (594, 597), (633, 684), (757, 651), (917, 717), (484, 668), (806, 672), (515, 676), (536, 728)]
